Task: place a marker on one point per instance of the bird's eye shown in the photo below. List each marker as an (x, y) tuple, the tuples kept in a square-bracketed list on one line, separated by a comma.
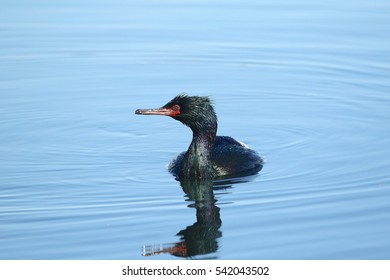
[(175, 108)]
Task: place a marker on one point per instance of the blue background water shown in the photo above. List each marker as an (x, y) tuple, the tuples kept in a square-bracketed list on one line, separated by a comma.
[(305, 83)]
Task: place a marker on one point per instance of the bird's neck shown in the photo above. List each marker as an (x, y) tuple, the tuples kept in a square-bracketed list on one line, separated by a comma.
[(197, 161)]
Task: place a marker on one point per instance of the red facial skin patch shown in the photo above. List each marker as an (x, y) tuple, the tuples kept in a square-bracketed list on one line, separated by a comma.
[(174, 110)]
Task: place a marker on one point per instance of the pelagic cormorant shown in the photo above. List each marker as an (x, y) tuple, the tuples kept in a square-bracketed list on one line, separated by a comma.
[(208, 156)]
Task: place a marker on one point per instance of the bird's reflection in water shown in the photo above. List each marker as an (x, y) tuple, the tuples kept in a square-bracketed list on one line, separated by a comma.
[(201, 238)]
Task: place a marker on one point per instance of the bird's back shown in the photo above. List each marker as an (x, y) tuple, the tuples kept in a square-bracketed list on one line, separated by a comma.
[(229, 158)]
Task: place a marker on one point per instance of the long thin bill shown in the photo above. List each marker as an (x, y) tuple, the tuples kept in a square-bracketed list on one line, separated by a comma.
[(158, 111)]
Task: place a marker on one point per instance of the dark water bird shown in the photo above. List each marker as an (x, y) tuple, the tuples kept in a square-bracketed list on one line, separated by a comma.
[(208, 156)]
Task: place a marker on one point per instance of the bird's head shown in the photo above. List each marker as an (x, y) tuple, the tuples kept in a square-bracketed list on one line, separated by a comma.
[(197, 112)]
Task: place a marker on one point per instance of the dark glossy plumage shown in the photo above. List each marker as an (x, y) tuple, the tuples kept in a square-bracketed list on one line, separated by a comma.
[(208, 156)]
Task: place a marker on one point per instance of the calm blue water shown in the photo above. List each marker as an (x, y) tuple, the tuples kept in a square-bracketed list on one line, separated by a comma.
[(305, 83)]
